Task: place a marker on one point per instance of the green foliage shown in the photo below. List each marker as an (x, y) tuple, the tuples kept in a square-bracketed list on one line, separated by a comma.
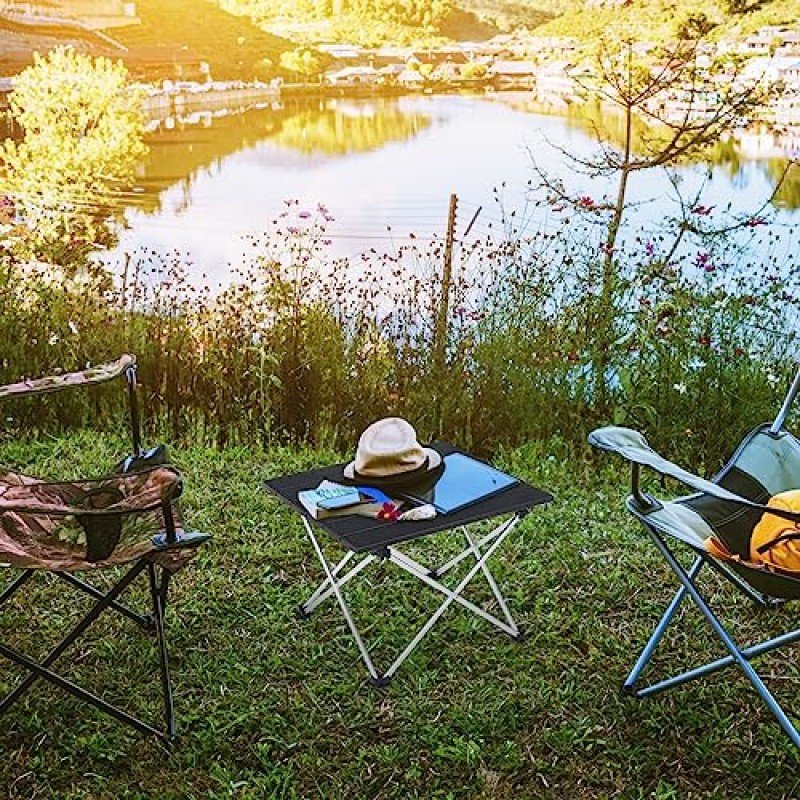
[(302, 61), (417, 13), (661, 20), (82, 140), (304, 347), (245, 38)]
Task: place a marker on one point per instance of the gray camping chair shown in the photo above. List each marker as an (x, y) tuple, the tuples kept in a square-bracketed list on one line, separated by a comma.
[(726, 507), (127, 519)]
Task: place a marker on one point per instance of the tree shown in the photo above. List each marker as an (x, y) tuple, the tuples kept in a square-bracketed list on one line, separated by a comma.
[(671, 107), (303, 61), (82, 139)]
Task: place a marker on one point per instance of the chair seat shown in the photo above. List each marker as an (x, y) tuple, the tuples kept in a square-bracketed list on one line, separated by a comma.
[(41, 529)]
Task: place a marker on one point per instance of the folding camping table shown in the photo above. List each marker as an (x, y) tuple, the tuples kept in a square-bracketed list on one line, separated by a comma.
[(368, 540)]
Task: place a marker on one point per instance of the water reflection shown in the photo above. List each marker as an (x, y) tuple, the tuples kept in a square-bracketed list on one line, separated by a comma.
[(180, 147), (770, 149), (386, 168)]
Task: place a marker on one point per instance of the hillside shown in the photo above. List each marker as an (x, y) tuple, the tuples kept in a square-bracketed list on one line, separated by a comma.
[(661, 19), (245, 38), (234, 46)]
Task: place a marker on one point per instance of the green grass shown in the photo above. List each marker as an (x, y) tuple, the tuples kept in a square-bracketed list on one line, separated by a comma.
[(271, 706)]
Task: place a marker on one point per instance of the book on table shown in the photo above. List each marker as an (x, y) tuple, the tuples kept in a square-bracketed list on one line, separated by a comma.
[(331, 499)]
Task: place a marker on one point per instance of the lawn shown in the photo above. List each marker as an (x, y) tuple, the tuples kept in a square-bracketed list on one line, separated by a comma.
[(272, 706)]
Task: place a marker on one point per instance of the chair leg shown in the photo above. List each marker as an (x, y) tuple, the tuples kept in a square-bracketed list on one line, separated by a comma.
[(629, 686), (104, 601), (158, 593), (38, 671), (741, 657), (144, 620), (16, 585)]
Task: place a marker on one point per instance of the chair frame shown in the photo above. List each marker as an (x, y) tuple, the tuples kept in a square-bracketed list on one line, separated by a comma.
[(640, 504), (157, 576), (153, 622), (740, 656)]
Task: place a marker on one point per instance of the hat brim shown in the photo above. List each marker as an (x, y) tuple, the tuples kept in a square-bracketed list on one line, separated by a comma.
[(401, 480)]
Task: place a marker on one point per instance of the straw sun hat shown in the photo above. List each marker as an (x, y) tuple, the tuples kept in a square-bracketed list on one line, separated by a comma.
[(389, 455)]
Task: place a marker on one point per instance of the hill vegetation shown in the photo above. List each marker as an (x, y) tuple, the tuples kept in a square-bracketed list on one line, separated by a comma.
[(241, 38), (246, 38), (662, 19), (235, 46)]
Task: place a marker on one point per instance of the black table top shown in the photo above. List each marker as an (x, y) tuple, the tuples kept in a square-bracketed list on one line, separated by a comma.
[(361, 534)]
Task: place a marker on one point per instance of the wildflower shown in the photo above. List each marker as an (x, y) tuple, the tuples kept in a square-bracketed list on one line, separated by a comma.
[(587, 203), (754, 222), (702, 211), (703, 259), (696, 363), (704, 340), (73, 328), (53, 339), (304, 215), (649, 248), (772, 379), (680, 388), (389, 512)]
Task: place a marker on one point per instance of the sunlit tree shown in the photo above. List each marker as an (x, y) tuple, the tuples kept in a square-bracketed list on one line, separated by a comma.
[(82, 138), (303, 61)]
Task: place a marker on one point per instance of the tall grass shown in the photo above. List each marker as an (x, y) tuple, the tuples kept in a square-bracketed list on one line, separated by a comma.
[(304, 347)]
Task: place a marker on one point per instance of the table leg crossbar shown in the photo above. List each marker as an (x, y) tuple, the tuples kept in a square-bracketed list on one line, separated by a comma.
[(481, 549)]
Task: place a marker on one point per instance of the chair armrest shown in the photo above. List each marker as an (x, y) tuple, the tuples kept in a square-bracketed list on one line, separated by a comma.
[(633, 447), (68, 380), (130, 493)]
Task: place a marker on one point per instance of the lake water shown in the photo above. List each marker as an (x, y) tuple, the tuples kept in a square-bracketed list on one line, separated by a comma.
[(385, 170)]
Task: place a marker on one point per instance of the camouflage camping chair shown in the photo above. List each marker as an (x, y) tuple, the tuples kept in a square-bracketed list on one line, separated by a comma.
[(720, 514), (83, 526)]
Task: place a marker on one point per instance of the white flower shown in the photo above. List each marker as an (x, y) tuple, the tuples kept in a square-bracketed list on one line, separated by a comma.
[(772, 378), (53, 339), (680, 388), (73, 328), (696, 363)]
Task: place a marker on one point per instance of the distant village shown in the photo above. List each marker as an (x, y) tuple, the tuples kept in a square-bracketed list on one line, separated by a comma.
[(174, 79)]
